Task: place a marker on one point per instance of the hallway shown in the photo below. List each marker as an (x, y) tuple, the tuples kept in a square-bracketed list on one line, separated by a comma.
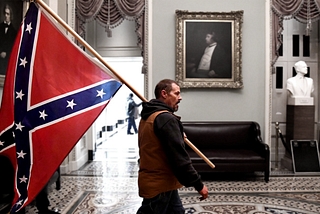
[(109, 185)]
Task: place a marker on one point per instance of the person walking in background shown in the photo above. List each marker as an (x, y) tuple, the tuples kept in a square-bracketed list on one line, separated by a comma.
[(165, 165), (131, 109), (7, 37)]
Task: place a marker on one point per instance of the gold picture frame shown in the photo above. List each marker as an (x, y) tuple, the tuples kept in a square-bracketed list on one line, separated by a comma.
[(195, 71)]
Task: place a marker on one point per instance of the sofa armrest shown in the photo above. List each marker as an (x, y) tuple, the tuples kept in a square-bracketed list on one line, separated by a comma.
[(257, 143), (261, 148)]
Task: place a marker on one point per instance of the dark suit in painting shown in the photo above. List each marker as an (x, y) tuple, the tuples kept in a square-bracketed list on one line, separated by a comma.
[(220, 63), (7, 38), (214, 62)]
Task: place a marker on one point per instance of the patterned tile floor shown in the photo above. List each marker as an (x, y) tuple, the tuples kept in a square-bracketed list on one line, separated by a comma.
[(109, 185)]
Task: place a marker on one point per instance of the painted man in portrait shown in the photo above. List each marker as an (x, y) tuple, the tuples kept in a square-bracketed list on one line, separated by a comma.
[(214, 62), (7, 37)]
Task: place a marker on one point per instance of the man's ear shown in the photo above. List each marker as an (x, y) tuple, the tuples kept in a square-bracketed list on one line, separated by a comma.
[(164, 94)]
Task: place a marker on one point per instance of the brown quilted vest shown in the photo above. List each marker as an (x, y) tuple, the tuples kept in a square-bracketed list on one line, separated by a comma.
[(155, 174)]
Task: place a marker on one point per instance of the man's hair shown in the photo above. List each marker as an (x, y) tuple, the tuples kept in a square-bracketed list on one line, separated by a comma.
[(10, 9), (213, 34), (166, 85), (298, 64)]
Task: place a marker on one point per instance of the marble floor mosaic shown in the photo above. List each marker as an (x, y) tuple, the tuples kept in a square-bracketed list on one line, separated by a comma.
[(109, 185), (101, 194)]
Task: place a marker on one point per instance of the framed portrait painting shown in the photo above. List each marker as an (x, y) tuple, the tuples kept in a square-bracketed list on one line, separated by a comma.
[(11, 14), (208, 49)]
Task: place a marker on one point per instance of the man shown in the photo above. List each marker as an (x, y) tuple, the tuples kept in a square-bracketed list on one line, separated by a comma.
[(299, 85), (6, 184), (131, 110), (215, 62), (7, 189), (7, 38), (165, 165)]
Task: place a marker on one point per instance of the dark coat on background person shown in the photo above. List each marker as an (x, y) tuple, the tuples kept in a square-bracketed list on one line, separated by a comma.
[(131, 107)]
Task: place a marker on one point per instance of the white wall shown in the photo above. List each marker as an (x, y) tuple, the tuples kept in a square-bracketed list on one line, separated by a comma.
[(214, 104)]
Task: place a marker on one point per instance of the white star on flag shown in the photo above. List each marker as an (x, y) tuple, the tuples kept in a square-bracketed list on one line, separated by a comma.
[(100, 93), (23, 62), (1, 143), (19, 202), (29, 28), (19, 126), (43, 114), (21, 154), (19, 95), (45, 94), (23, 179), (71, 104)]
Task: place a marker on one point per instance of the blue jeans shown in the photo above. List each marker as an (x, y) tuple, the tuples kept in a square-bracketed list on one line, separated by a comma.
[(164, 203), (131, 123)]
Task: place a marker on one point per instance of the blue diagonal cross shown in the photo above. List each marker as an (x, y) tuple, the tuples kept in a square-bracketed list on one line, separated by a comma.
[(28, 118)]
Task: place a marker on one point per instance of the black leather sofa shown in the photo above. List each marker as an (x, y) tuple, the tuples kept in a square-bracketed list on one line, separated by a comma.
[(231, 146)]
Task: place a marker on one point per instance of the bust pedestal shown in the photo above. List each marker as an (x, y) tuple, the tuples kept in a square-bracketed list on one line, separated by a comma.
[(300, 101), (300, 124)]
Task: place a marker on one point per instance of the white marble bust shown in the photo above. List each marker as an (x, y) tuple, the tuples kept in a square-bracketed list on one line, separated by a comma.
[(300, 86)]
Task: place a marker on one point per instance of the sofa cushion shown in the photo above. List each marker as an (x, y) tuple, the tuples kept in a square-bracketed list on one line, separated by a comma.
[(220, 135), (227, 156)]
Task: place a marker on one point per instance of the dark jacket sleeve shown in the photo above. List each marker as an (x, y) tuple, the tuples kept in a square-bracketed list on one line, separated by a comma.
[(170, 132), (135, 104)]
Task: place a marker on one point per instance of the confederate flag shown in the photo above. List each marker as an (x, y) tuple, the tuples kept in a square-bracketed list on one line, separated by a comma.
[(53, 92)]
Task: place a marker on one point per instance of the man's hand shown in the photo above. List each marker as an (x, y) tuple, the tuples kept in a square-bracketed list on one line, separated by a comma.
[(203, 193), (212, 73), (3, 55)]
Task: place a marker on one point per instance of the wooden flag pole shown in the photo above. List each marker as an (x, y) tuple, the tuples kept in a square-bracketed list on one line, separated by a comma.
[(199, 153), (89, 48)]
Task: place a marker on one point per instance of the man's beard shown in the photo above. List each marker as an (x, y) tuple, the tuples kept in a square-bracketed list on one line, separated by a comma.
[(176, 107)]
